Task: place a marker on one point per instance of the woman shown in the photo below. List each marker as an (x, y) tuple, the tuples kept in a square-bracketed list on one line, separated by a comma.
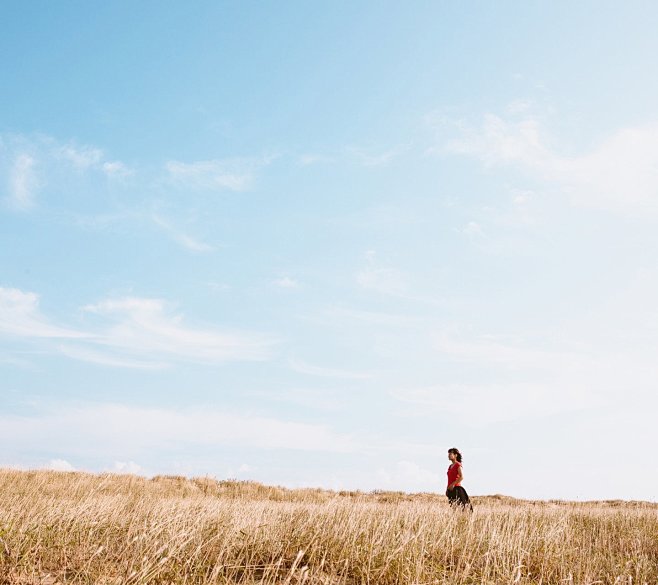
[(457, 495)]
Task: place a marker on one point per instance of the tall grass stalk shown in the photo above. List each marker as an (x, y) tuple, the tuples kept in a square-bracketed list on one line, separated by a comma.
[(112, 529)]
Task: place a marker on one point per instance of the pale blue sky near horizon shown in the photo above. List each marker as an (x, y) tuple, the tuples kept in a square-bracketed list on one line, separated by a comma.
[(318, 244)]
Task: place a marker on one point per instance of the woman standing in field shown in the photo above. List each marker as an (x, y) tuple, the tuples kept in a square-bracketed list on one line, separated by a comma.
[(457, 495)]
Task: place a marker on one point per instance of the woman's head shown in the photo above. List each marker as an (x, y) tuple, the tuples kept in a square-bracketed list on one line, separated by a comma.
[(457, 455)]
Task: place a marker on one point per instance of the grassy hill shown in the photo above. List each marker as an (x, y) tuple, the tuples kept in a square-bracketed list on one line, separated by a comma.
[(85, 528)]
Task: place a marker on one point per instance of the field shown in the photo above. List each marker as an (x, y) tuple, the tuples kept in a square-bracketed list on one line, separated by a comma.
[(83, 528)]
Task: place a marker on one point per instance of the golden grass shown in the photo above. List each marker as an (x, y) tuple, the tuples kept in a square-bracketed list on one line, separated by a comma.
[(83, 528)]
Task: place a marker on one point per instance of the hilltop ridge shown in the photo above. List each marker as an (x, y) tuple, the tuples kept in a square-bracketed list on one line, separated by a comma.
[(181, 486)]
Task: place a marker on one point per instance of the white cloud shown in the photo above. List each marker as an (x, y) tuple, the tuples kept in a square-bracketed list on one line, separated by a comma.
[(382, 279), (286, 282), (22, 182), (145, 328), (362, 156), (521, 196), (489, 349), (185, 240), (116, 169), (619, 174), (85, 158), (20, 316), (499, 142), (376, 159), (311, 159), (521, 212), (518, 381), (14, 361), (59, 465), (482, 404), (22, 156), (101, 221), (82, 158), (133, 332), (303, 367), (473, 230), (124, 433), (325, 399), (519, 106), (127, 467), (235, 174), (218, 287), (344, 314), (105, 358), (624, 326), (605, 358), (408, 476), (243, 470), (105, 220)]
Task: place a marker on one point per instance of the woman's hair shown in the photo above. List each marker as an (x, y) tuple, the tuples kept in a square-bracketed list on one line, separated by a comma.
[(456, 453)]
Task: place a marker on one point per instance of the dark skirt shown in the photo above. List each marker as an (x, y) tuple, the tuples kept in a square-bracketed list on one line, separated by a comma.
[(458, 498)]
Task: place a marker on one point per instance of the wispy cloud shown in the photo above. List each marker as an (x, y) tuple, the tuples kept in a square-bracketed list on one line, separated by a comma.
[(37, 164), (20, 316), (82, 158), (85, 158), (234, 174), (380, 278), (122, 432), (520, 212), (131, 332), (127, 467), (244, 469), (22, 182), (102, 221), (286, 282), (59, 465), (323, 399), (119, 220), (312, 159), (145, 327), (105, 358), (116, 168), (366, 157), (408, 474), (488, 349), (303, 367), (371, 317), (372, 158), (483, 404), (472, 229), (587, 364), (188, 242), (619, 174), (517, 380), (14, 361), (498, 141)]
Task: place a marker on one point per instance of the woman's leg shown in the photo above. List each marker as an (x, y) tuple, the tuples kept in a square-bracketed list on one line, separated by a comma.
[(464, 500)]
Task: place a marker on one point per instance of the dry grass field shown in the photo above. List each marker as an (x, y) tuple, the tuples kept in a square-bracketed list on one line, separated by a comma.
[(83, 528)]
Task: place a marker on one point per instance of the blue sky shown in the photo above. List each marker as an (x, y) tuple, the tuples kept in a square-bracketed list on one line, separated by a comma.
[(318, 244)]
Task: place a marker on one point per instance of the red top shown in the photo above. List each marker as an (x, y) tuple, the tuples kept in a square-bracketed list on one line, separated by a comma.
[(453, 472)]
